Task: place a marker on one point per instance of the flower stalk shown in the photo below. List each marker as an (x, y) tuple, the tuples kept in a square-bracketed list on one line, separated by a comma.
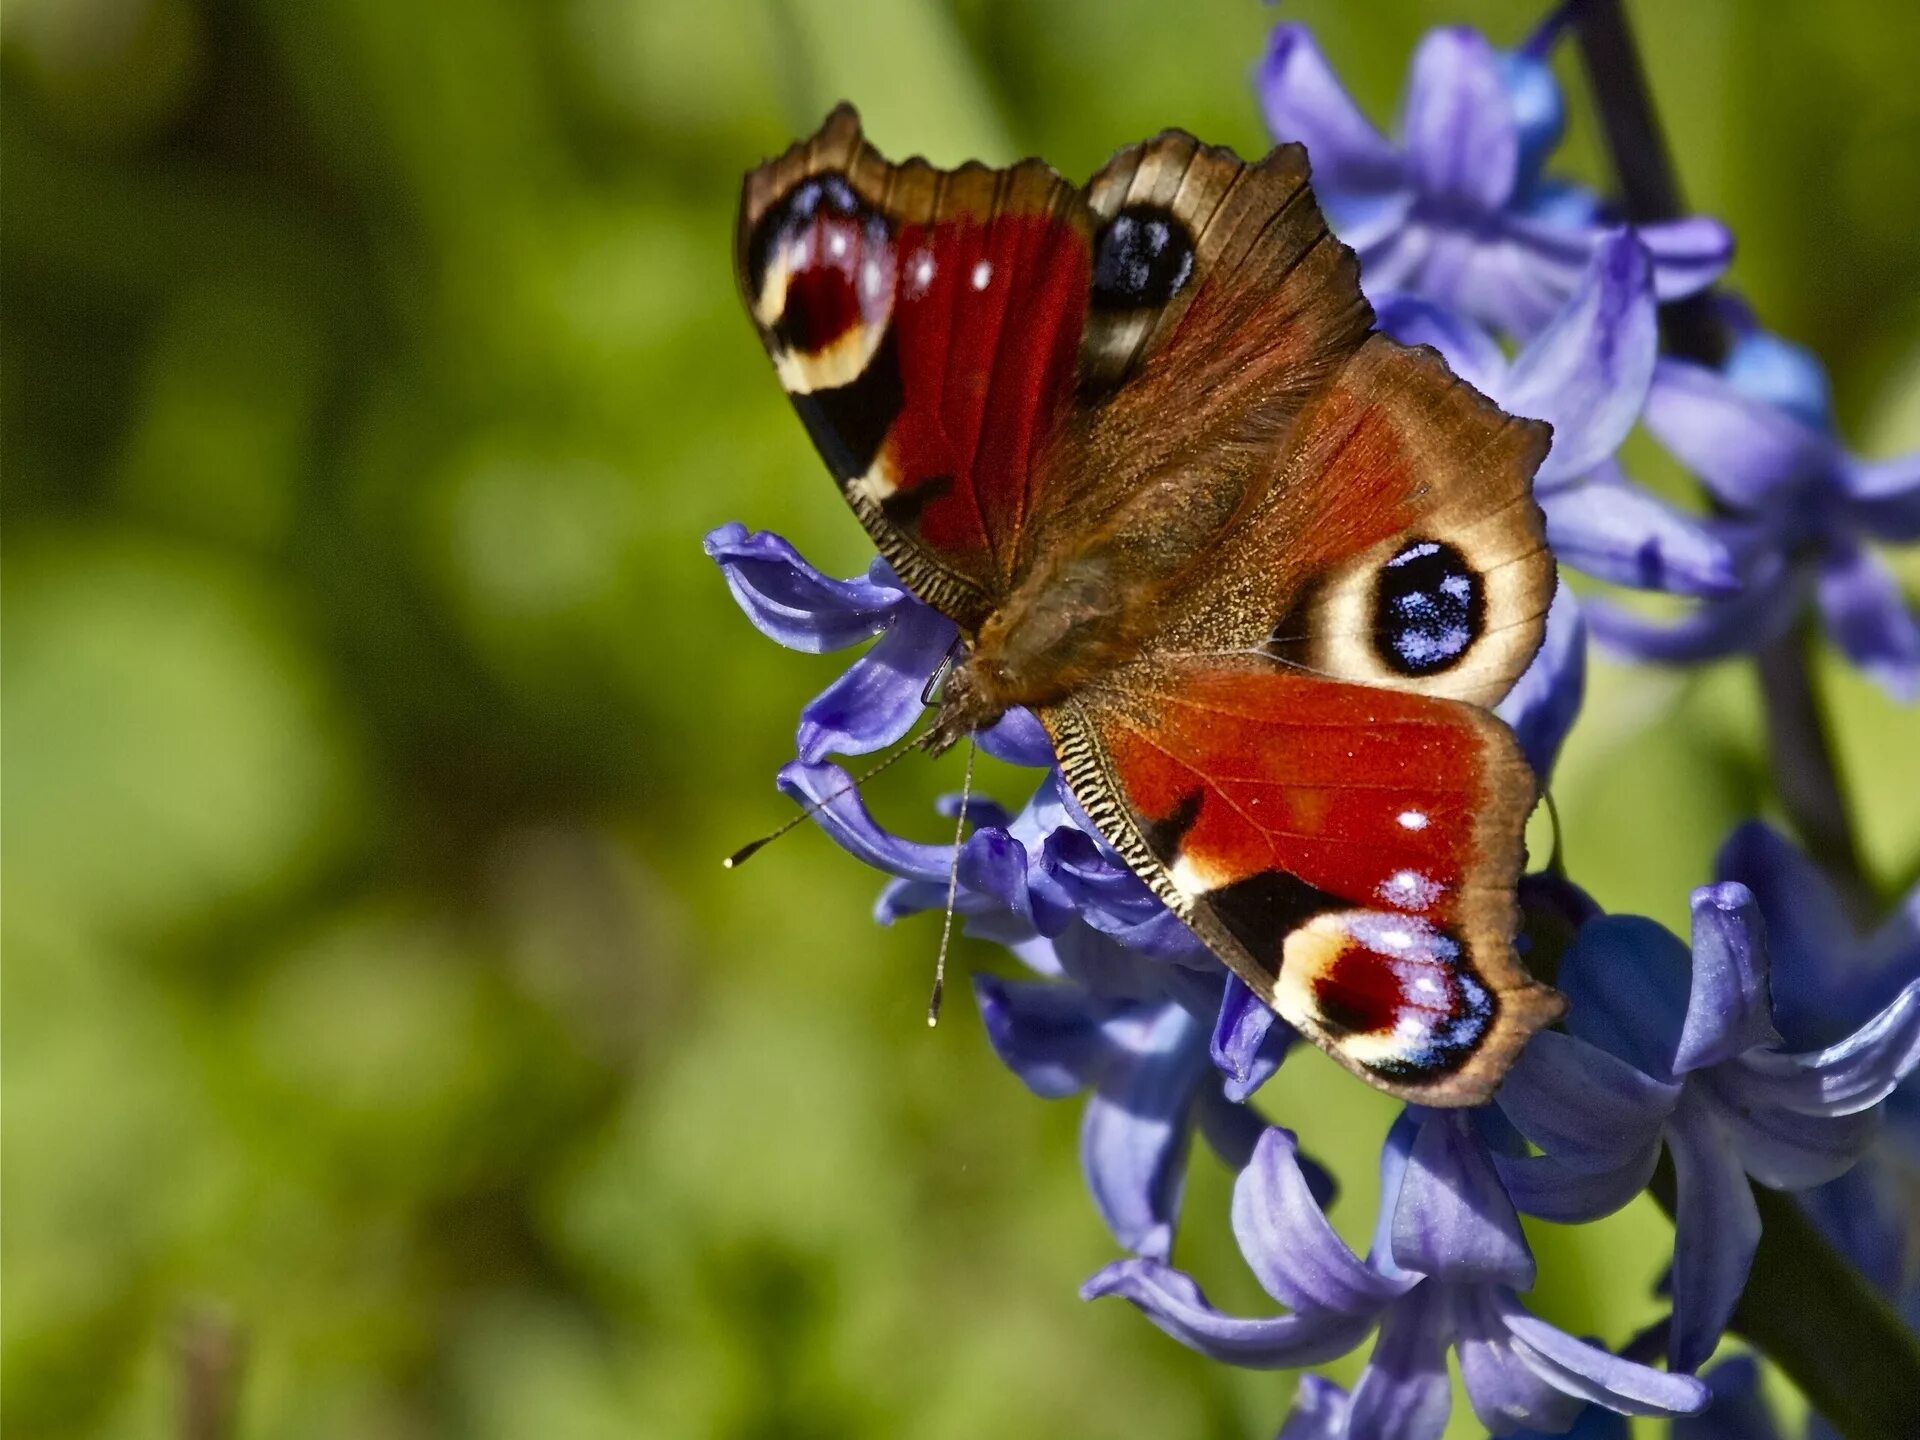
[(1810, 1312)]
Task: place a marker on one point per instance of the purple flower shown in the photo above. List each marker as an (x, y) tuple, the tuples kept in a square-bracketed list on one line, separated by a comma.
[(1460, 212), (1758, 434), (1669, 1049), (1828, 981), (1586, 373), (1738, 1412), (1447, 1260)]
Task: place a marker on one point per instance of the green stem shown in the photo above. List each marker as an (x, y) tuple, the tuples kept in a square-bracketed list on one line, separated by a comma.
[(1803, 1306)]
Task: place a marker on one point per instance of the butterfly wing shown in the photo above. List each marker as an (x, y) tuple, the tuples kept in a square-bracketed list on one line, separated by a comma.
[(1350, 852), (927, 325)]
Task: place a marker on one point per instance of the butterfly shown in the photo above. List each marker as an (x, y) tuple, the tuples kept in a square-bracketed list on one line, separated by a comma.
[(1257, 568)]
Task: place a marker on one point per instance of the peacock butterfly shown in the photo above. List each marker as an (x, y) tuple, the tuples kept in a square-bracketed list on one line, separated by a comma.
[(1257, 568)]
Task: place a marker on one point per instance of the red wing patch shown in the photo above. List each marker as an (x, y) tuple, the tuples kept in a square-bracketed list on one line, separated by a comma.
[(1351, 851)]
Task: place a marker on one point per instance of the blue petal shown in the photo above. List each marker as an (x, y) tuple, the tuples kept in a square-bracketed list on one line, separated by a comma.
[(1809, 938), (1583, 1106), (993, 865), (1626, 979), (877, 700), (1249, 1040), (1729, 1010), (1133, 1137), (844, 816), (791, 602), (1019, 739), (1505, 1390), (1884, 497), (1593, 1423), (1463, 145), (1688, 255), (1319, 1411), (1711, 630), (1303, 101), (1716, 1229), (1174, 1303), (1403, 1394), (1864, 1215), (1867, 617), (1539, 110), (1751, 455), (1290, 1247), (1612, 530), (1594, 1374), (1567, 1194), (1587, 372), (1738, 1412), (1048, 1035), (1783, 1149), (1453, 1220), (1545, 701), (1776, 372), (1849, 1076), (1470, 352)]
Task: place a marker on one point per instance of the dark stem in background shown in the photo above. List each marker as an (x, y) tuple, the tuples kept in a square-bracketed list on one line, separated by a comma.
[(1799, 751), (1809, 1311)]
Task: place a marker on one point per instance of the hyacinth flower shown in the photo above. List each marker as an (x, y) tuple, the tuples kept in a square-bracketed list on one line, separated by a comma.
[(1445, 1271), (1802, 514), (1460, 211), (1586, 373), (1666, 1048), (1827, 980)]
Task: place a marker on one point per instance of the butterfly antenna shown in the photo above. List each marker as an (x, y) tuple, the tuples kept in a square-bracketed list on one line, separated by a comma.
[(746, 852), (953, 894)]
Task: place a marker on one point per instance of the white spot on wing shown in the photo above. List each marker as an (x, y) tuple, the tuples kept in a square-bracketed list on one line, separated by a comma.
[(1413, 820), (982, 275)]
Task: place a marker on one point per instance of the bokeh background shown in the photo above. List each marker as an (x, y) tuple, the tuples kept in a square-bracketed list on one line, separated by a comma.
[(386, 1054)]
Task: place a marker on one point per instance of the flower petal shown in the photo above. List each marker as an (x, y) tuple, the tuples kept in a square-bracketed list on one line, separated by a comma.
[(1748, 453), (844, 816), (1738, 1411), (1453, 1220), (1868, 619), (1587, 372), (1785, 1150), (1626, 980), (1288, 1244), (1506, 1391), (791, 602), (1319, 1411), (877, 700), (1303, 101), (1133, 1137), (1716, 1229), (1545, 701), (1463, 144), (1596, 1375), (1582, 1105), (1711, 630), (1849, 1076), (1470, 352), (1885, 497), (1809, 938), (1688, 254), (1729, 1009), (1050, 1036), (1018, 738), (1404, 1394), (1174, 1303), (1608, 528), (1249, 1040), (1567, 1194)]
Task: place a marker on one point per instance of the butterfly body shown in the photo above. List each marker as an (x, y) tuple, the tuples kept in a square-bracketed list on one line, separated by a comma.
[(1256, 568)]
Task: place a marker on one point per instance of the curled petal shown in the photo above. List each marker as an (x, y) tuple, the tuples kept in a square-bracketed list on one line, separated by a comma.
[(1051, 1036), (1868, 619), (1716, 1230), (1783, 1149), (1688, 255), (1730, 1010), (1174, 1303), (1738, 1411), (1463, 144), (877, 700), (1319, 1411), (1289, 1245), (1453, 1220), (1403, 1394), (1885, 497), (1506, 1391), (1249, 1040), (1808, 935), (1587, 372), (1625, 978), (1570, 1194), (1018, 738), (1582, 1105), (1594, 1374), (844, 816), (1303, 101), (1748, 453), (1711, 630), (1606, 527), (1852, 1075), (1470, 352), (791, 602), (993, 865), (1133, 1137), (1545, 701)]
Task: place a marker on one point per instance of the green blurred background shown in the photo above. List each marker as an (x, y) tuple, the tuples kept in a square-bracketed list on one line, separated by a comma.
[(379, 1027)]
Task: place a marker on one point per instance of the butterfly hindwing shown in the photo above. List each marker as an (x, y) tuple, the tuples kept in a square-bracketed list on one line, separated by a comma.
[(927, 325), (1349, 850)]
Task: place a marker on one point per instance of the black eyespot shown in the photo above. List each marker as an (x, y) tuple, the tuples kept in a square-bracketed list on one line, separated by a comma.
[(1142, 258), (820, 194), (1428, 608)]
